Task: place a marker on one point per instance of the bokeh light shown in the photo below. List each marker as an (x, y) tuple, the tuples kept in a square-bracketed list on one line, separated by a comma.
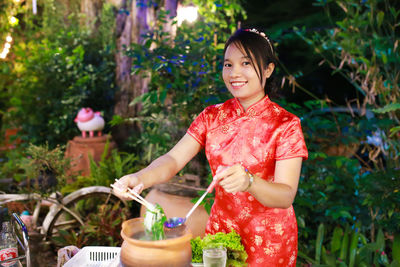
[(188, 13), (13, 21)]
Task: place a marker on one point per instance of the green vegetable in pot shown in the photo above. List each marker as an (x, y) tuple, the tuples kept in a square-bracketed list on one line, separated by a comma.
[(236, 255), (154, 222)]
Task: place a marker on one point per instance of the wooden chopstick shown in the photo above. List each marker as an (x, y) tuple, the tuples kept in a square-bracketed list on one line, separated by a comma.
[(132, 191), (139, 197), (133, 194)]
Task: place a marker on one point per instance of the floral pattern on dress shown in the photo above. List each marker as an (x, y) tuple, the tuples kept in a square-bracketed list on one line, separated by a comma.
[(255, 138)]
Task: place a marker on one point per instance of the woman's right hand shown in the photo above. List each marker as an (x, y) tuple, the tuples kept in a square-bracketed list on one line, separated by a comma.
[(120, 187)]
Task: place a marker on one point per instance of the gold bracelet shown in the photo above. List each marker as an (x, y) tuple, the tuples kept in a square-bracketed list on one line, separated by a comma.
[(251, 179)]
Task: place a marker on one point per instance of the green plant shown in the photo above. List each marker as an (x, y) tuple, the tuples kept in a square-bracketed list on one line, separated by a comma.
[(104, 172), (361, 46), (115, 166), (236, 255), (105, 228), (380, 192), (154, 223), (57, 67), (222, 14), (326, 176), (349, 247), (184, 77), (100, 229), (184, 72), (319, 188), (339, 189), (10, 167), (45, 169)]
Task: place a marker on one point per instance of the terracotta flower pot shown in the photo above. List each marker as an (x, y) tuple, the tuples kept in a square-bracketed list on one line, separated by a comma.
[(79, 149), (10, 139), (172, 252)]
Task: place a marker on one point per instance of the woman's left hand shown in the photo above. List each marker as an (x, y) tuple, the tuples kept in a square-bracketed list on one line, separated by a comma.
[(232, 178)]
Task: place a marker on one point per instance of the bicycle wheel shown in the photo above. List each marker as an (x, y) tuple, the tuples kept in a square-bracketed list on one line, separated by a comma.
[(65, 221)]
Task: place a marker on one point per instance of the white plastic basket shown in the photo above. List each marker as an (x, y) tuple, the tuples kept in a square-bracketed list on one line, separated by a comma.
[(95, 256)]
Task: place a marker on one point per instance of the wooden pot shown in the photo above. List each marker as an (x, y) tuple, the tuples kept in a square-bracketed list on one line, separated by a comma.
[(173, 252)]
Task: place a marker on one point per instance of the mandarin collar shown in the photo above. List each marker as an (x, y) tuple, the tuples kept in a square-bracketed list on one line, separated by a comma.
[(255, 108)]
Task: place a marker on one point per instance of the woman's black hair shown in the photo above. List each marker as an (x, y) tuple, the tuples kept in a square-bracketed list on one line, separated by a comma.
[(259, 49)]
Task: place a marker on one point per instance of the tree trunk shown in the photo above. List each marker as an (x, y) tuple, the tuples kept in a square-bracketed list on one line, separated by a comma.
[(172, 7), (132, 22), (123, 62), (92, 10)]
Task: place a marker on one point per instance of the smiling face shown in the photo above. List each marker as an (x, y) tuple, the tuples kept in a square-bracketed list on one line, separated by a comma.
[(241, 78)]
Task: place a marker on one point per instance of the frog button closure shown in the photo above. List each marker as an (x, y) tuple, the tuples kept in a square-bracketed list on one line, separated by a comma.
[(251, 113)]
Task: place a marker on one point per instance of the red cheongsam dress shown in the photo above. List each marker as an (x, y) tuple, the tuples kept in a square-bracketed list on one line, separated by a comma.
[(255, 138)]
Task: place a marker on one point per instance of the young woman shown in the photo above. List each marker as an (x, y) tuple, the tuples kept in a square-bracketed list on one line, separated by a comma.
[(255, 149)]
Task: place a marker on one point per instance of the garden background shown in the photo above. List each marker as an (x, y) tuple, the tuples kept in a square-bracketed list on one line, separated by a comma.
[(150, 76)]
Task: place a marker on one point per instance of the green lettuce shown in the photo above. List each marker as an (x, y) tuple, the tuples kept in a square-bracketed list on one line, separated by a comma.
[(236, 255)]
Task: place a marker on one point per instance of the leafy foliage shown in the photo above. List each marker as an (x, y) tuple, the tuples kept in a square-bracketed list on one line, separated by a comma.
[(106, 170), (45, 169), (184, 72), (54, 72), (236, 255), (340, 183), (388, 108), (116, 165), (154, 222), (100, 229), (380, 192), (361, 46), (105, 228), (11, 167), (223, 14), (57, 66), (197, 249), (349, 247), (317, 196)]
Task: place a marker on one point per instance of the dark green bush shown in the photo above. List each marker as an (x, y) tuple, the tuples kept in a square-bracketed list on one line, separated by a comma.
[(57, 67), (339, 184), (359, 44), (348, 246)]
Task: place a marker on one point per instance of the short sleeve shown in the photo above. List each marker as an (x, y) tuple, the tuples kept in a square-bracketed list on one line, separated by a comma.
[(198, 128), (291, 143)]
